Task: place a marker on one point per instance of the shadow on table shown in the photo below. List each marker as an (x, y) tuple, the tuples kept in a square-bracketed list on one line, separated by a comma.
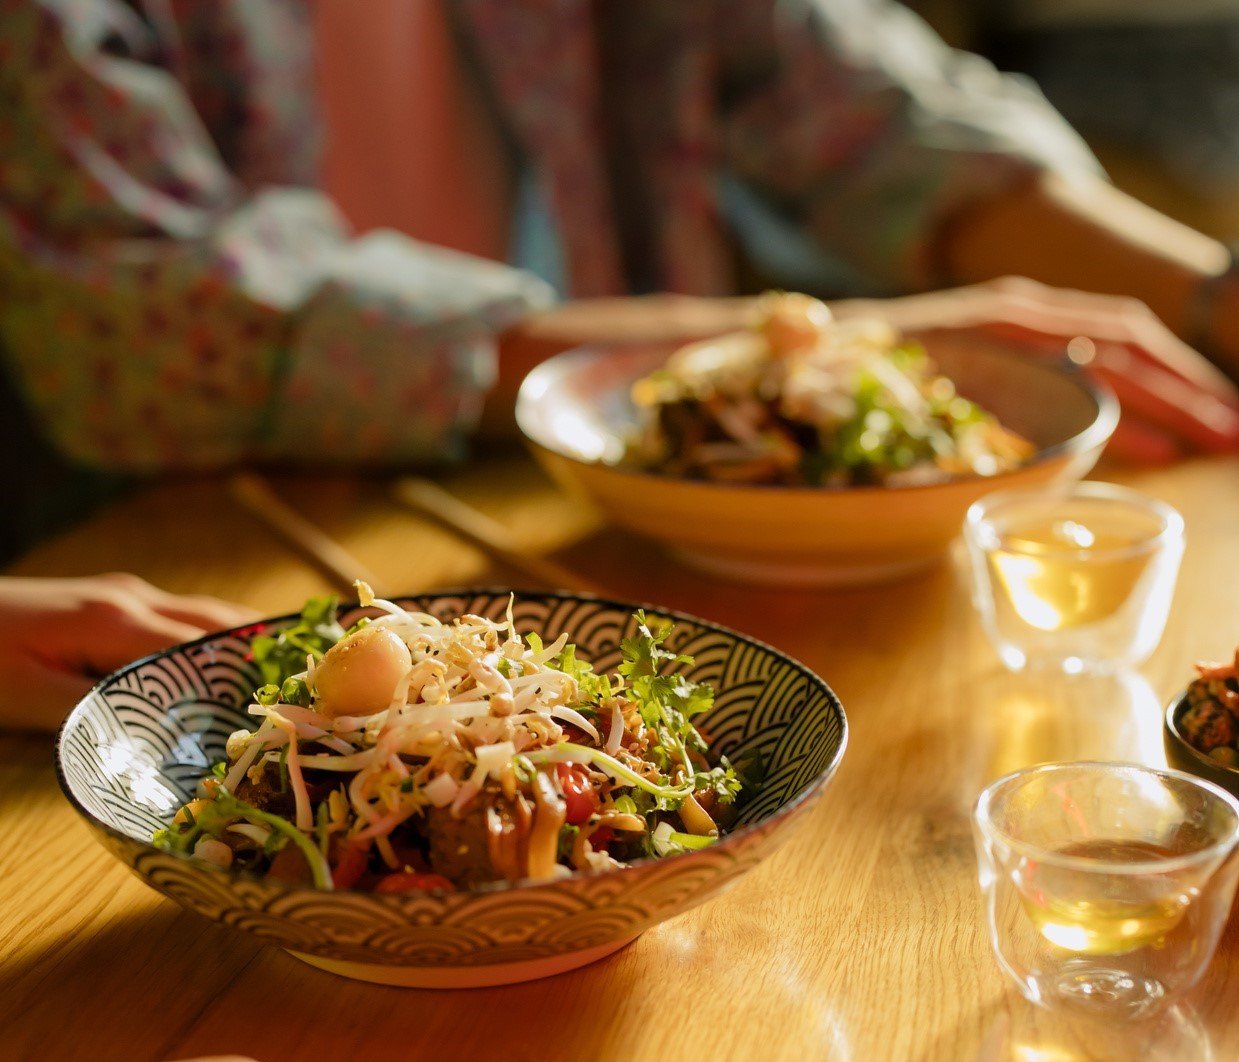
[(1013, 1030), (867, 619), (165, 984), (1001, 722), (127, 991), (603, 1011), (1034, 717)]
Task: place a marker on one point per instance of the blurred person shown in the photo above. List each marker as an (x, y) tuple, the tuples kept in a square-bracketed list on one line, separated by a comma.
[(176, 295), (1152, 86), (58, 636), (1146, 81)]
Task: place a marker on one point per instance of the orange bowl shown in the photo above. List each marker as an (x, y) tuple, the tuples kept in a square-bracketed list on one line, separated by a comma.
[(576, 413)]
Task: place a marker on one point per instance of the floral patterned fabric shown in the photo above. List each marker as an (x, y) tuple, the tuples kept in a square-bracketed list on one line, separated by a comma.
[(175, 294)]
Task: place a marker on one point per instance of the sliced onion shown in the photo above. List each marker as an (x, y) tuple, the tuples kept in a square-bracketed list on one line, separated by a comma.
[(504, 837), (466, 793), (544, 837), (616, 735), (441, 790), (209, 850), (380, 828), (695, 818), (571, 715), (620, 820), (296, 781), (491, 759), (294, 712), (661, 838), (257, 834)]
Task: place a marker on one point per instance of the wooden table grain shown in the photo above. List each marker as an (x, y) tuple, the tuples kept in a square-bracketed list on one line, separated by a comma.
[(860, 940)]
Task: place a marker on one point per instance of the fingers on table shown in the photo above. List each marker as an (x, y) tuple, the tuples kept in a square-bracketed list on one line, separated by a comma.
[(1031, 312), (1112, 320), (1135, 443), (210, 613), (1173, 400), (195, 610), (131, 630), (1161, 400)]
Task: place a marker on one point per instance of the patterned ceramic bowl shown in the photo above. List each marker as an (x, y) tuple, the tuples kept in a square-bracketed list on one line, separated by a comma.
[(134, 749), (575, 411)]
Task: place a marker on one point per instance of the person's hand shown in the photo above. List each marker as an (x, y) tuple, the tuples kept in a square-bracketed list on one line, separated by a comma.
[(57, 636), (1174, 402)]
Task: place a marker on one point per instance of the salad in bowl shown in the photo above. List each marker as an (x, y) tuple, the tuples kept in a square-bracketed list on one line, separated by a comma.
[(809, 450), (437, 791), (802, 399), (408, 753)]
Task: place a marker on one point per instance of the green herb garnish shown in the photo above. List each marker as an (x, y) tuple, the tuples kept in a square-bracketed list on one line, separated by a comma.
[(226, 809), (313, 634)]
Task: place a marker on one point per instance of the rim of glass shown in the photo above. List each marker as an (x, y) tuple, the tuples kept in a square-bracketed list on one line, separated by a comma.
[(981, 817), (978, 521)]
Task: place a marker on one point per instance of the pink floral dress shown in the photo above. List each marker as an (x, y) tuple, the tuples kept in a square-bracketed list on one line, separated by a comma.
[(175, 294)]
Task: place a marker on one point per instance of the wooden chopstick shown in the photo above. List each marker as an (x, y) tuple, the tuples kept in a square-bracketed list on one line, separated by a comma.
[(430, 500), (256, 496)]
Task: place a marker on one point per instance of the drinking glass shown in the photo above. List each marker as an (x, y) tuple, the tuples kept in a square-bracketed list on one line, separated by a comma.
[(1106, 885), (1078, 578)]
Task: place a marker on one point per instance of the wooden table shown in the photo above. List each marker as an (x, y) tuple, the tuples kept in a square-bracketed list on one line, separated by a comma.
[(861, 940)]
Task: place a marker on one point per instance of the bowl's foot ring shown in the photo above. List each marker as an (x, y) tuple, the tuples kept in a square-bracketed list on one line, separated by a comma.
[(505, 973)]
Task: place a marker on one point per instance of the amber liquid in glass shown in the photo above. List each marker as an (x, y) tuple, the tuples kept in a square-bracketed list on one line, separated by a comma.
[(1059, 574), (1095, 913)]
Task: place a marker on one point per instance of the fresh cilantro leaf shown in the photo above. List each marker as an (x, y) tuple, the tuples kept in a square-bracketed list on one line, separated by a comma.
[(721, 780), (313, 634)]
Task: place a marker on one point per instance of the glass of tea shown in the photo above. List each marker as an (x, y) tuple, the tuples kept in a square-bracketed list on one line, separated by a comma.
[(1078, 578), (1106, 885)]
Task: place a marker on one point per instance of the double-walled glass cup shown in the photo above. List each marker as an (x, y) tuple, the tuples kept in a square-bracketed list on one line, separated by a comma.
[(1106, 885), (1078, 578)]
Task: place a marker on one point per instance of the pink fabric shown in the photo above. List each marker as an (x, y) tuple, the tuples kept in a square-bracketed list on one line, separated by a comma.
[(169, 305), (409, 144)]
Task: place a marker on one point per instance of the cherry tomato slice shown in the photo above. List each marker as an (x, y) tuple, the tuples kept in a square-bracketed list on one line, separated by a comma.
[(580, 798), (601, 837), (350, 866), (404, 881)]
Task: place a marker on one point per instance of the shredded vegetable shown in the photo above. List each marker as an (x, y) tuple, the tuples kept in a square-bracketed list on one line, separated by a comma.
[(803, 399), (410, 749)]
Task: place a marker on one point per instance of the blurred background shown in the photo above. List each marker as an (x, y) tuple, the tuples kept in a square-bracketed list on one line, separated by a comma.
[(294, 235), (1152, 85)]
